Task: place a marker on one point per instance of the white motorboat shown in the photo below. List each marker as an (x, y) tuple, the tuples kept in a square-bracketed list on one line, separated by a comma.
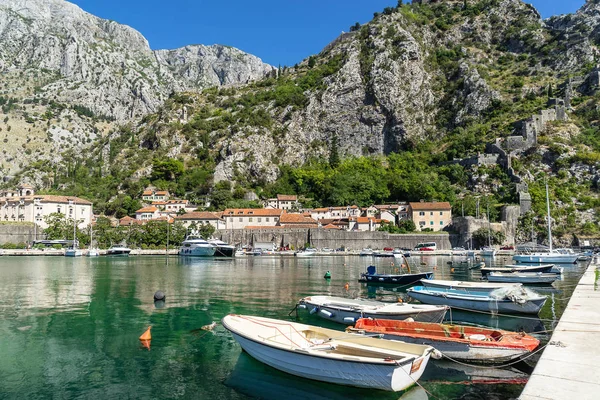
[(330, 356), (488, 251), (120, 251), (309, 252), (484, 287), (348, 311), (531, 278), (92, 253), (222, 249), (194, 246), (366, 252)]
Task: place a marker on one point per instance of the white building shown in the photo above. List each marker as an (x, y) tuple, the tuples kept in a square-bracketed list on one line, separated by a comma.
[(283, 202), (335, 212), (147, 213), (198, 218), (23, 205), (155, 195), (172, 206), (239, 218)]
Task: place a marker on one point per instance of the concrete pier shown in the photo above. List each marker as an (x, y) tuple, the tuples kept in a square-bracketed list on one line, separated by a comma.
[(570, 365)]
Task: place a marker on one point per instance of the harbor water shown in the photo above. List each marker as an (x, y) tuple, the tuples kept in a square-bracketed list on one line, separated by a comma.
[(69, 327)]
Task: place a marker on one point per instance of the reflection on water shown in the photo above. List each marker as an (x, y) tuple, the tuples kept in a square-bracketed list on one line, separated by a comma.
[(69, 327)]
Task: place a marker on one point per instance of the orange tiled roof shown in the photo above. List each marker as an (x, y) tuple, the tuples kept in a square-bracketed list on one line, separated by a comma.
[(439, 205), (150, 209), (331, 226), (161, 193), (197, 216), (147, 193), (252, 212), (293, 218), (62, 199), (159, 203)]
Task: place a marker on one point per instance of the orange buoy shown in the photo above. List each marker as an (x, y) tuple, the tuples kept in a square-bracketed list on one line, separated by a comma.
[(451, 269), (347, 286), (434, 268), (146, 335), (399, 300)]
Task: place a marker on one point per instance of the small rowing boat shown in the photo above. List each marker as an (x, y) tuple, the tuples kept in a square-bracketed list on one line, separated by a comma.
[(501, 301), (371, 277), (330, 356), (347, 311), (527, 278), (459, 342), (480, 287), (519, 268)]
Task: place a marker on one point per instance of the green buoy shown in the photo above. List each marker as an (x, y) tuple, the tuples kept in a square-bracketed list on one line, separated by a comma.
[(327, 275)]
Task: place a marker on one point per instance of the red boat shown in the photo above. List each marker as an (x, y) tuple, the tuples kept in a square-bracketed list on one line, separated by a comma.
[(459, 342)]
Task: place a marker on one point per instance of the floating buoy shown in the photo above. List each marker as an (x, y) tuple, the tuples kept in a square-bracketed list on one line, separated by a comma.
[(327, 275), (159, 296), (146, 335), (347, 286), (145, 338), (400, 300), (451, 269), (434, 268)]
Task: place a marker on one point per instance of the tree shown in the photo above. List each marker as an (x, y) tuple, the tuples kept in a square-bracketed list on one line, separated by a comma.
[(334, 156), (206, 230), (480, 236), (355, 27), (311, 61), (407, 225), (57, 226), (169, 169)]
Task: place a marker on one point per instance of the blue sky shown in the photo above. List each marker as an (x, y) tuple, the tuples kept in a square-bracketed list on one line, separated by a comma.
[(279, 31)]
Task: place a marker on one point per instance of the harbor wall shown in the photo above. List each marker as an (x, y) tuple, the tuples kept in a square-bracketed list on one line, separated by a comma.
[(17, 232), (320, 238)]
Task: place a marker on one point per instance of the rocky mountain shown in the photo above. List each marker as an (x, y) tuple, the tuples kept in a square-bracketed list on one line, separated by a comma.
[(447, 81), (52, 51)]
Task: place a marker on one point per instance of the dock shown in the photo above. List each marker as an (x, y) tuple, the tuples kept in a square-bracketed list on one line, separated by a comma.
[(570, 365)]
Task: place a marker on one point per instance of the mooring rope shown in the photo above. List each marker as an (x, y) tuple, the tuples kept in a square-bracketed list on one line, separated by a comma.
[(497, 366)]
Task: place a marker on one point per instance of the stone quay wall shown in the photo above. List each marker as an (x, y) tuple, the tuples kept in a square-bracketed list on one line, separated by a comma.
[(320, 238), (19, 232)]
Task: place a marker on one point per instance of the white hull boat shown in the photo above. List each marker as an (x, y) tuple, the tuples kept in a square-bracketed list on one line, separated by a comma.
[(119, 251), (92, 253), (330, 356), (348, 311), (483, 287), (306, 253), (488, 252), (546, 258), (530, 278), (196, 247)]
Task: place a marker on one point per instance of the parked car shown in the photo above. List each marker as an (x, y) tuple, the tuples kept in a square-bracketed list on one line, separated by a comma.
[(507, 248), (388, 249)]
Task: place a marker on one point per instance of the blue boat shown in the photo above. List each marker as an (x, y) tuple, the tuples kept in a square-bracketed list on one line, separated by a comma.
[(372, 277), (517, 300)]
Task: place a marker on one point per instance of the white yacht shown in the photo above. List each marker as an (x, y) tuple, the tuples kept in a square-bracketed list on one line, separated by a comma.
[(120, 251), (197, 247)]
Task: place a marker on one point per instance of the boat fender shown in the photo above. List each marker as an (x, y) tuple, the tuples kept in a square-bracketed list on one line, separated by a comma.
[(326, 313), (349, 320), (302, 306), (347, 286), (436, 354), (327, 275), (381, 279), (314, 310), (159, 296)]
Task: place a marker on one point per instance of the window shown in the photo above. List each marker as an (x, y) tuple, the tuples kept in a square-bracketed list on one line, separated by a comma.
[(250, 219), (267, 219), (431, 213), (241, 219), (421, 213), (421, 223), (275, 219), (441, 213), (441, 222), (430, 222), (259, 219)]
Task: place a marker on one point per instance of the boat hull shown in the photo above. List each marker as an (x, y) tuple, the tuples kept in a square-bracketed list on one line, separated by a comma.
[(73, 253), (546, 258), (527, 279), (375, 376), (471, 303), (405, 279), (541, 268), (224, 251), (197, 251), (478, 287)]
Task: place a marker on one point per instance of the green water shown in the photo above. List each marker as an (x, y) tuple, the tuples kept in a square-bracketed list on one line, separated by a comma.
[(69, 327)]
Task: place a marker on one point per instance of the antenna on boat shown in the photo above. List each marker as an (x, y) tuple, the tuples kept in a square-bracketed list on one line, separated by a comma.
[(549, 220)]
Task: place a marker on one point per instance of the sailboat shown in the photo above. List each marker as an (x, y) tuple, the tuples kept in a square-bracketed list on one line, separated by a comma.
[(488, 250), (74, 251), (92, 252), (552, 256)]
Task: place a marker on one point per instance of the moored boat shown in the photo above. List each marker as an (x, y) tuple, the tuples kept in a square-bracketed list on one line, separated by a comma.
[(347, 311), (365, 252), (500, 301), (308, 252), (120, 251), (483, 287), (459, 342), (222, 249), (73, 252), (330, 356), (371, 276), (488, 251), (194, 246), (519, 268), (527, 278), (542, 258)]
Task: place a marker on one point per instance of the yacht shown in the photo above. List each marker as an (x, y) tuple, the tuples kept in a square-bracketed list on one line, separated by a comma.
[(197, 247), (222, 249), (73, 252), (121, 251)]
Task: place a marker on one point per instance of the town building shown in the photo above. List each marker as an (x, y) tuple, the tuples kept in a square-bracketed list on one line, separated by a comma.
[(295, 220), (151, 194), (283, 202), (335, 212), (364, 224), (239, 218), (173, 206), (23, 205), (433, 215), (147, 213), (200, 218)]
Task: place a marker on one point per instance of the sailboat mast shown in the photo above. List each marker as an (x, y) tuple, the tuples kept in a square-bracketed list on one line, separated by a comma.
[(74, 224), (549, 221)]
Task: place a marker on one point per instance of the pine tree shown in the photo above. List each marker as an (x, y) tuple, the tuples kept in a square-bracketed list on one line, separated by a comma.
[(334, 156)]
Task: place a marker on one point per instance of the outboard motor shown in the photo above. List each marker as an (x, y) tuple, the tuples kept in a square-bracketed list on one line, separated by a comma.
[(371, 270)]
